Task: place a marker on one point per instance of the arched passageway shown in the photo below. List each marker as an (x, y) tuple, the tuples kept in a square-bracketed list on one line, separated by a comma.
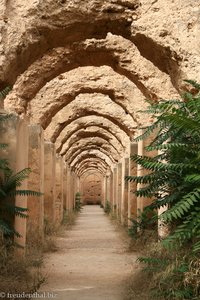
[(81, 72), (78, 91)]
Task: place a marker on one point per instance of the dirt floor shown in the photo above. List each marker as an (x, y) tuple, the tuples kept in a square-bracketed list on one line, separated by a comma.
[(92, 261)]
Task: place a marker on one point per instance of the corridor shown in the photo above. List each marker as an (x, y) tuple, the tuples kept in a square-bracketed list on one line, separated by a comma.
[(92, 261)]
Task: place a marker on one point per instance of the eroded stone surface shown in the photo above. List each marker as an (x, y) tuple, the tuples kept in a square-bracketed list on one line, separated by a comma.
[(39, 25), (88, 122), (174, 26), (63, 89), (115, 51), (91, 132), (90, 104), (71, 70), (91, 153)]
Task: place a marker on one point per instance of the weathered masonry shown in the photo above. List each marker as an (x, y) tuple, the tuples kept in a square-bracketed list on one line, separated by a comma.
[(81, 71)]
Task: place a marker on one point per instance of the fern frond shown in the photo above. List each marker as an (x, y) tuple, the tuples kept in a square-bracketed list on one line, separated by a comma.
[(5, 228), (13, 181), (162, 106), (182, 207), (149, 178), (168, 200), (189, 125), (2, 194), (4, 117), (184, 232), (193, 83), (3, 146), (196, 246), (147, 132), (27, 193), (4, 164), (150, 164), (174, 146), (193, 178), (5, 92)]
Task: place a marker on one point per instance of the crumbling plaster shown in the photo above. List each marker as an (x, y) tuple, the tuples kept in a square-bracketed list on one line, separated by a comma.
[(95, 62), (85, 123), (90, 104)]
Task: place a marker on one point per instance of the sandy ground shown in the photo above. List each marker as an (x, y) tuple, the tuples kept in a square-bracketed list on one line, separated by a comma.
[(92, 262)]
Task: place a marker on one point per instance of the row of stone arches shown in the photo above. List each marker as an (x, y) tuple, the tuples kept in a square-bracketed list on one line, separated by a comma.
[(81, 72)]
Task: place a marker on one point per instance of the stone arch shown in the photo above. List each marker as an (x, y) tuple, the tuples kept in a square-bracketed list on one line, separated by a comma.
[(95, 104), (91, 172), (61, 91), (81, 135), (103, 149), (79, 127), (93, 162), (93, 142), (128, 62), (47, 30), (93, 155), (87, 123), (87, 168)]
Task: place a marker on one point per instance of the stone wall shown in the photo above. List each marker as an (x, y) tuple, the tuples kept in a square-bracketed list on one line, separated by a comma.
[(91, 188)]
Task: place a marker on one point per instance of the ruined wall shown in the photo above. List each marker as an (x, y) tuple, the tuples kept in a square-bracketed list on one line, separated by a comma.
[(91, 189)]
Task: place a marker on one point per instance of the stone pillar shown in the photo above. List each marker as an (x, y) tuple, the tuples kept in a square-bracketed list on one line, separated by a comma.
[(144, 201), (120, 191), (14, 132), (35, 220), (78, 183), (74, 188), (140, 172), (70, 200), (111, 189), (104, 191), (107, 188), (115, 190), (132, 198), (163, 228), (65, 187), (49, 181), (126, 192), (59, 190)]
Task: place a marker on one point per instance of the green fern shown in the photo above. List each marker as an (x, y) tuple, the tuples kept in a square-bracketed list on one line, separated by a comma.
[(78, 203), (10, 188), (5, 92), (174, 178)]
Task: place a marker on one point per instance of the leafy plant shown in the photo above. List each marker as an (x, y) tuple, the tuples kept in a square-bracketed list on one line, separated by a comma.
[(78, 203), (10, 188), (107, 208), (5, 92), (142, 222), (174, 178), (173, 181)]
